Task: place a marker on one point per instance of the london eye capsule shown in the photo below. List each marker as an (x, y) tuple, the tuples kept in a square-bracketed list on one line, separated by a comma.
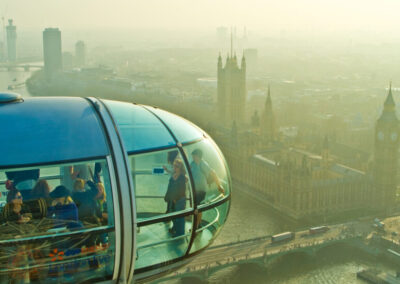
[(98, 190)]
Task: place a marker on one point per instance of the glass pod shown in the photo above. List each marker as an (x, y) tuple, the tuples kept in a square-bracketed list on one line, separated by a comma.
[(95, 190)]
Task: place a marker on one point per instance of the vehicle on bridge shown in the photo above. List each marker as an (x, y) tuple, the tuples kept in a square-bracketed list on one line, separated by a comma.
[(379, 225), (318, 230), (283, 237), (98, 190)]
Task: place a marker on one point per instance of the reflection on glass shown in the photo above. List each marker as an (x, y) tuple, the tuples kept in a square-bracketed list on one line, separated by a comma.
[(140, 129), (65, 260), (49, 210), (157, 243), (161, 183), (211, 222), (183, 130)]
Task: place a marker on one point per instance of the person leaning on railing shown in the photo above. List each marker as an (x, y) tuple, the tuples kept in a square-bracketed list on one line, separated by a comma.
[(202, 175)]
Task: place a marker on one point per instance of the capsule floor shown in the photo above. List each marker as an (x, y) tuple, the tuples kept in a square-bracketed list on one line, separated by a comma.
[(156, 244)]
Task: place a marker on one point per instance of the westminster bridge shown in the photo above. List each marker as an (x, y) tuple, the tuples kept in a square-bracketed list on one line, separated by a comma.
[(261, 251)]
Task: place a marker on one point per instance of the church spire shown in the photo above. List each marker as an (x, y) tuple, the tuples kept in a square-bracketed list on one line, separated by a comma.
[(268, 101), (325, 145), (231, 43), (268, 120), (255, 120)]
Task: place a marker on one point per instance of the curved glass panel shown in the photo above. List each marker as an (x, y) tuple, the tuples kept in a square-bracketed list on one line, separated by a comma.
[(44, 130), (156, 243), (139, 128), (212, 221), (161, 183), (209, 172), (183, 130), (57, 223)]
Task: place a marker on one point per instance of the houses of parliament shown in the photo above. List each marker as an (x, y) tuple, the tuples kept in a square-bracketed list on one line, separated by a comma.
[(293, 180)]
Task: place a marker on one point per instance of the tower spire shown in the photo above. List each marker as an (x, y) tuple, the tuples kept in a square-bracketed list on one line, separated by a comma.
[(389, 102), (231, 43), (268, 101), (325, 145)]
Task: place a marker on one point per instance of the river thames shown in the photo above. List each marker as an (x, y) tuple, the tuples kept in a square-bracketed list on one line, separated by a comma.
[(14, 77)]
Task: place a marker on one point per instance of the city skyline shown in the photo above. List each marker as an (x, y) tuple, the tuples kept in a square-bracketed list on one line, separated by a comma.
[(310, 15)]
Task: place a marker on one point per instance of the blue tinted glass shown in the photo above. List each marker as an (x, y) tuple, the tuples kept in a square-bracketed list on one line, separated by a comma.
[(41, 130), (140, 129), (183, 130)]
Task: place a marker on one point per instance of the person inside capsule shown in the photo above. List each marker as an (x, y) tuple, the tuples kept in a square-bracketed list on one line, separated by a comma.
[(169, 169), (13, 211), (24, 181), (41, 190), (63, 209), (203, 175), (176, 196)]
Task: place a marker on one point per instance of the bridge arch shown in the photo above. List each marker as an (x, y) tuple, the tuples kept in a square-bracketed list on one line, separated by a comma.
[(284, 256)]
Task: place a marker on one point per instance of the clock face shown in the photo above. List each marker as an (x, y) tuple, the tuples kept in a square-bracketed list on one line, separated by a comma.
[(393, 136), (381, 135)]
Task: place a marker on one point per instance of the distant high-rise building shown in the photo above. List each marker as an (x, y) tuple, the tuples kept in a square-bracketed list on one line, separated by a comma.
[(2, 52), (52, 51), (80, 53), (231, 91), (11, 41), (386, 149)]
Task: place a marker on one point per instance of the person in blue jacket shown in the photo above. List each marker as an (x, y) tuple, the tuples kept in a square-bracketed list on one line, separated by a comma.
[(63, 209)]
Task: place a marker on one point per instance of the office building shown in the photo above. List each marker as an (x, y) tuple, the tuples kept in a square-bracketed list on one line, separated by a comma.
[(52, 53)]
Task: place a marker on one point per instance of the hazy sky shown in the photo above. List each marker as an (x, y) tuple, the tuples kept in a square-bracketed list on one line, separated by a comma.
[(260, 15)]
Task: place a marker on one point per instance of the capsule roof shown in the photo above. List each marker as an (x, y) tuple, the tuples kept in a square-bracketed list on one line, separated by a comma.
[(44, 130), (55, 129), (145, 128)]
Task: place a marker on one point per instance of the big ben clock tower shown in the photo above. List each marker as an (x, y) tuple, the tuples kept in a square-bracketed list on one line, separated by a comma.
[(386, 147)]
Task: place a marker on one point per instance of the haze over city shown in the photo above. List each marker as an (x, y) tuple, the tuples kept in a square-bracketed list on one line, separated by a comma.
[(300, 96), (259, 15)]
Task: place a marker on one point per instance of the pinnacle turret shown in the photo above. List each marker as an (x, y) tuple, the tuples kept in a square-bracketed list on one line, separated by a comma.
[(325, 145)]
